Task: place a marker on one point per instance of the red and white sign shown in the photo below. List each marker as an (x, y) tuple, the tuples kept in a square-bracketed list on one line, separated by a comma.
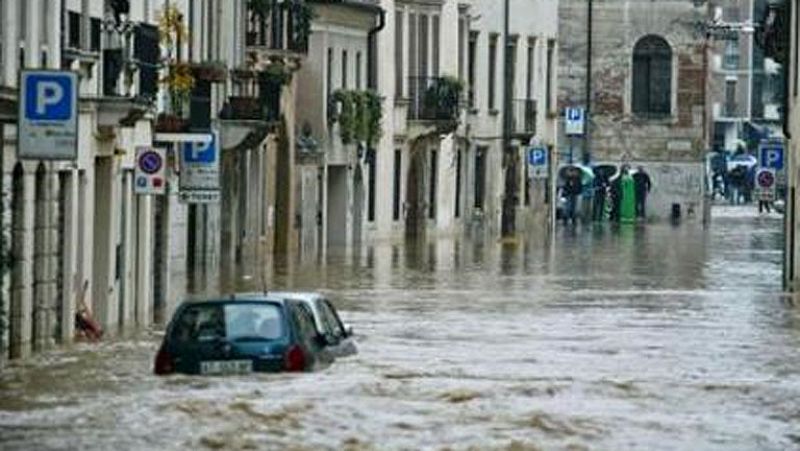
[(766, 184), (149, 176)]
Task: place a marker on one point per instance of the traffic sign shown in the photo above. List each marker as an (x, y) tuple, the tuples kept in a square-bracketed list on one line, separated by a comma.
[(149, 174), (199, 181), (48, 115), (575, 121), (770, 155), (539, 161), (766, 184)]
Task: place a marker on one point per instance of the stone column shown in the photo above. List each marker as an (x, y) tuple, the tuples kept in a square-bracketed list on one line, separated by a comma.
[(144, 257), (21, 314), (70, 286)]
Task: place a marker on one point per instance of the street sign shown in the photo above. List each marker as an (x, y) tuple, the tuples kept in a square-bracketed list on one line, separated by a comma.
[(199, 181), (148, 176), (539, 162), (770, 155), (48, 115), (574, 121), (766, 184)]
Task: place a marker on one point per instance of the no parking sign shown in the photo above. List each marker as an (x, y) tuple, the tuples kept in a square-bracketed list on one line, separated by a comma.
[(766, 184), (148, 177)]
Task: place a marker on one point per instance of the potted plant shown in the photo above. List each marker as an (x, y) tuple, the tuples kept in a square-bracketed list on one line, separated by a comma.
[(213, 71), (178, 79), (443, 98)]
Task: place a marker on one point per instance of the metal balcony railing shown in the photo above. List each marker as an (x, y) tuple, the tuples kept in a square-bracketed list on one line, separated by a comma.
[(259, 101), (433, 98), (280, 26), (523, 117)]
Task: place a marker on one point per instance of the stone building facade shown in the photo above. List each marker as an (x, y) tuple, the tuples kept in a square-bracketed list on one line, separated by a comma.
[(648, 104)]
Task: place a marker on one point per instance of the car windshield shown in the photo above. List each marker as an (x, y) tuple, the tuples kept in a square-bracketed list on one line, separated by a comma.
[(232, 322)]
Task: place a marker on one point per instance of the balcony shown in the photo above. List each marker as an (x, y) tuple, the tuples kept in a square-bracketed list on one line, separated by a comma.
[(434, 99), (523, 117), (255, 98), (278, 27)]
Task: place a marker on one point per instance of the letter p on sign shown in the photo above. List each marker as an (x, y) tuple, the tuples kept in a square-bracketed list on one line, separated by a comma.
[(46, 97)]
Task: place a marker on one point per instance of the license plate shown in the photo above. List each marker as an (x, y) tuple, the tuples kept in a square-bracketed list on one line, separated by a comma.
[(226, 367)]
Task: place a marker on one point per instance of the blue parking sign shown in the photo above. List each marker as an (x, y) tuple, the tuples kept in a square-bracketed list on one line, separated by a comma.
[(48, 115), (770, 155), (200, 152), (47, 97)]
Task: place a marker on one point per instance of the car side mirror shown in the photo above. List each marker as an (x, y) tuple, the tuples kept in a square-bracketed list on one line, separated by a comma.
[(325, 340), (348, 330)]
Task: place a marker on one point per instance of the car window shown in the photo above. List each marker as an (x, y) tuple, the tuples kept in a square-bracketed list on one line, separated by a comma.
[(330, 319), (253, 321), (245, 321), (304, 320)]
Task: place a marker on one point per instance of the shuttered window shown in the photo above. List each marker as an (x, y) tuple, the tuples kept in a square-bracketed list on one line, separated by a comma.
[(652, 77)]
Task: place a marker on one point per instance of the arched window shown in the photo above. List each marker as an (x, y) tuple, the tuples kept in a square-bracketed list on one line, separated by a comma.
[(652, 77)]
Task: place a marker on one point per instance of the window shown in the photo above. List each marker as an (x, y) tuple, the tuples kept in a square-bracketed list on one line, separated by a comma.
[(330, 320), (329, 78), (730, 98), (511, 48), (531, 61), (472, 52), (480, 177), (492, 69), (432, 191), (796, 10), (358, 70), (423, 45), (652, 77), (730, 60), (344, 69), (234, 322), (458, 183), (45, 25), (94, 35), (435, 47), (398, 167), (412, 53), (22, 22), (398, 54), (551, 49), (462, 27), (74, 30)]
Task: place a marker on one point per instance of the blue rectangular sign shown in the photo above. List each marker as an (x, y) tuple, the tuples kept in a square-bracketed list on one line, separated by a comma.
[(771, 156), (48, 115)]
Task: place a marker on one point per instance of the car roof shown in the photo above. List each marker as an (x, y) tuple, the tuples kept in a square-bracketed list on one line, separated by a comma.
[(239, 297), (306, 296)]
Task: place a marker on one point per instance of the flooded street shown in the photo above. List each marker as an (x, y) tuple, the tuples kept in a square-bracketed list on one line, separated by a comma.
[(648, 337)]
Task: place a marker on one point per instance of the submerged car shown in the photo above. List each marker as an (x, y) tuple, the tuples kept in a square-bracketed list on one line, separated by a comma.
[(243, 334), (338, 335)]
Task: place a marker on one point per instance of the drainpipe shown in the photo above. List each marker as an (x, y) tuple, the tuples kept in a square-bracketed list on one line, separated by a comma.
[(372, 76), (587, 145), (787, 85)]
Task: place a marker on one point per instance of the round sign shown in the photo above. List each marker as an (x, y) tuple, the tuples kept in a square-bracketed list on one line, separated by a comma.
[(150, 162), (765, 179)]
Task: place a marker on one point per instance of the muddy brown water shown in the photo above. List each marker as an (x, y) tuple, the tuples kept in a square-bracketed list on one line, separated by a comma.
[(653, 337)]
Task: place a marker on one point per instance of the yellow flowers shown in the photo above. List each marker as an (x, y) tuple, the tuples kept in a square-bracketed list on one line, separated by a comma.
[(171, 26), (179, 78)]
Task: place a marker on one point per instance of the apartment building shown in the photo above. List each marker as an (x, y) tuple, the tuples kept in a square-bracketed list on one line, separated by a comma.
[(75, 233), (790, 35), (745, 86), (648, 94)]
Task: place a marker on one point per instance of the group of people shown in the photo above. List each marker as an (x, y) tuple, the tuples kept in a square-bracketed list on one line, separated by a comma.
[(618, 197), (738, 186)]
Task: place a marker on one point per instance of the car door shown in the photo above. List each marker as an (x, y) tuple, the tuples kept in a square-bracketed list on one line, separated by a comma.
[(308, 337), (340, 343)]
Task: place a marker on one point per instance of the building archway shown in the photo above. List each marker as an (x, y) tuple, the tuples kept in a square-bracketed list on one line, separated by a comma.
[(416, 206)]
